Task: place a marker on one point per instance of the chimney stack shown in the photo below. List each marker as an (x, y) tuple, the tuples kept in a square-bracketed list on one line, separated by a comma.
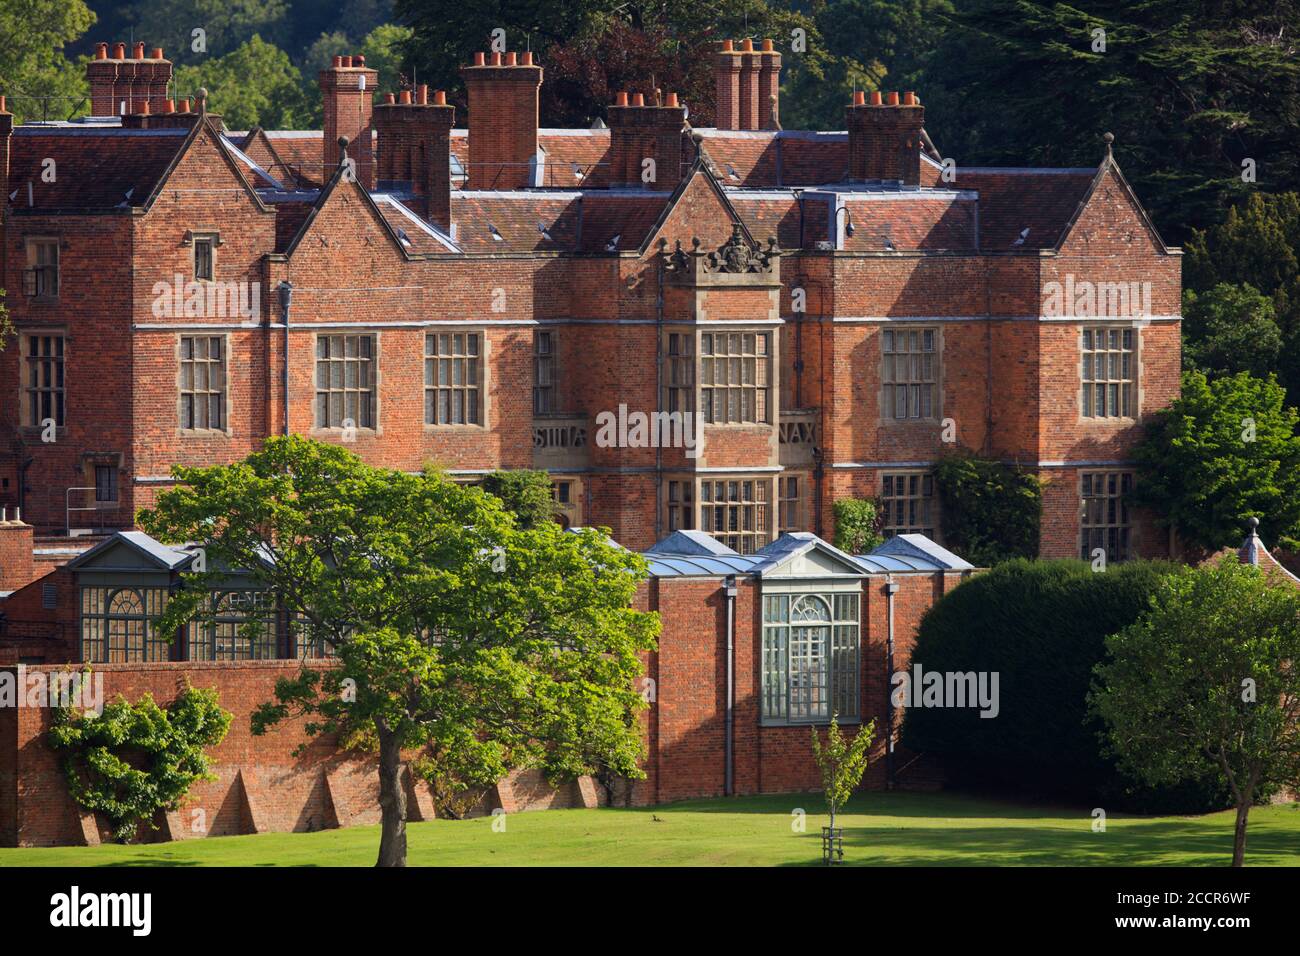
[(726, 73), (17, 565), (885, 138), (415, 147), (748, 85), (121, 84), (638, 132), (502, 120), (348, 87), (769, 87)]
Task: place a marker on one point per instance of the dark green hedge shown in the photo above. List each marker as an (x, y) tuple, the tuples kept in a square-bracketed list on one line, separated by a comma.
[(1041, 626)]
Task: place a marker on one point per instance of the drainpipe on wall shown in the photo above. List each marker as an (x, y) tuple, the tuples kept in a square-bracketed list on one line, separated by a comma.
[(286, 299), (891, 588), (659, 393), (730, 590)]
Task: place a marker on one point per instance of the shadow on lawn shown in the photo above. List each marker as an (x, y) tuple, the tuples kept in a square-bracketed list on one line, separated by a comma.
[(952, 805), (1173, 843)]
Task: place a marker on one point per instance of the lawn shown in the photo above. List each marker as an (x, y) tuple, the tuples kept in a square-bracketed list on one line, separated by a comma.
[(880, 829)]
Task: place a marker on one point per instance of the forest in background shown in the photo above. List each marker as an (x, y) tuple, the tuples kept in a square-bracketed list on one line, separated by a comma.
[(1203, 97)]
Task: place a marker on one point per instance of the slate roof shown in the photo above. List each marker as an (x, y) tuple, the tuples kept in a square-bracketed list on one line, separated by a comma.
[(913, 221), (682, 543), (562, 151), (1012, 200), (775, 158), (985, 208), (913, 552), (301, 153), (95, 167), (416, 234), (576, 221), (167, 558), (684, 554)]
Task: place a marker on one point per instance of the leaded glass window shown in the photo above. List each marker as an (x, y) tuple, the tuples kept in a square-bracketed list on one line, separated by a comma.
[(117, 625), (239, 626), (810, 657)]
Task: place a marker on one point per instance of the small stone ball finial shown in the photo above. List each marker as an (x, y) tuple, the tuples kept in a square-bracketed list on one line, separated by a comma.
[(202, 96), (1253, 522), (697, 137), (343, 142), (1108, 138)]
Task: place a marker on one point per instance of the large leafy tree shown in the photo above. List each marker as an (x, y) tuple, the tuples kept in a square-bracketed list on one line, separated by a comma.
[(860, 44), (36, 76), (453, 627), (593, 48), (1190, 88), (252, 85), (1208, 679), (1256, 249), (226, 25), (525, 494), (1224, 451), (1228, 329)]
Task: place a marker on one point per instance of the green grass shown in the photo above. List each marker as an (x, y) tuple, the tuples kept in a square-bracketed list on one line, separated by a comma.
[(944, 829)]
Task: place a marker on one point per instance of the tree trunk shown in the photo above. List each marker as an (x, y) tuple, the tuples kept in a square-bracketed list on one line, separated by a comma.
[(1239, 835), (392, 799)]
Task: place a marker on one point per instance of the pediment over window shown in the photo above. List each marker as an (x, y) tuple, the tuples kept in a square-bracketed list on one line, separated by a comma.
[(132, 551), (802, 554)]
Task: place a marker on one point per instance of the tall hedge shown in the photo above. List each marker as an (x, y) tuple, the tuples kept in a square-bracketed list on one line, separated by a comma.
[(1041, 626)]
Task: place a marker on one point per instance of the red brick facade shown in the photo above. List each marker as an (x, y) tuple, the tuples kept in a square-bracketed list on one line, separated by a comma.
[(839, 308), (262, 785), (572, 242)]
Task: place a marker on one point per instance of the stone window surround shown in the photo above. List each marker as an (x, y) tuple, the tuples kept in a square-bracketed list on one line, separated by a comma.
[(224, 431), (484, 382), (936, 408)]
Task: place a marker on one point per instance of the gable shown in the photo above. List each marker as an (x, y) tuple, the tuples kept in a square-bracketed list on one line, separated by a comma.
[(814, 563), (258, 148), (345, 222), (204, 163), (698, 210), (1111, 221), (804, 555)]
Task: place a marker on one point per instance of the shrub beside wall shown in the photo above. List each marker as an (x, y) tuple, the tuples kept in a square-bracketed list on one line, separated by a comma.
[(857, 525)]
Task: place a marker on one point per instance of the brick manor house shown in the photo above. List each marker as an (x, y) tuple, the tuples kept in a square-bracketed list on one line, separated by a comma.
[(803, 316), (824, 303)]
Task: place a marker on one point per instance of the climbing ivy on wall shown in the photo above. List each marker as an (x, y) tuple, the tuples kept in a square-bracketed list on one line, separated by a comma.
[(133, 760), (991, 511)]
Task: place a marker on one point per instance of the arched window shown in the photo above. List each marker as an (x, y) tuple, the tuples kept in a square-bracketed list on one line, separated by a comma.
[(810, 657), (117, 625), (239, 627)]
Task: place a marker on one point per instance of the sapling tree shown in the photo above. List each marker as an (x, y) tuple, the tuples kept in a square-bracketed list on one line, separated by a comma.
[(841, 762), (452, 628), (1209, 678)]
